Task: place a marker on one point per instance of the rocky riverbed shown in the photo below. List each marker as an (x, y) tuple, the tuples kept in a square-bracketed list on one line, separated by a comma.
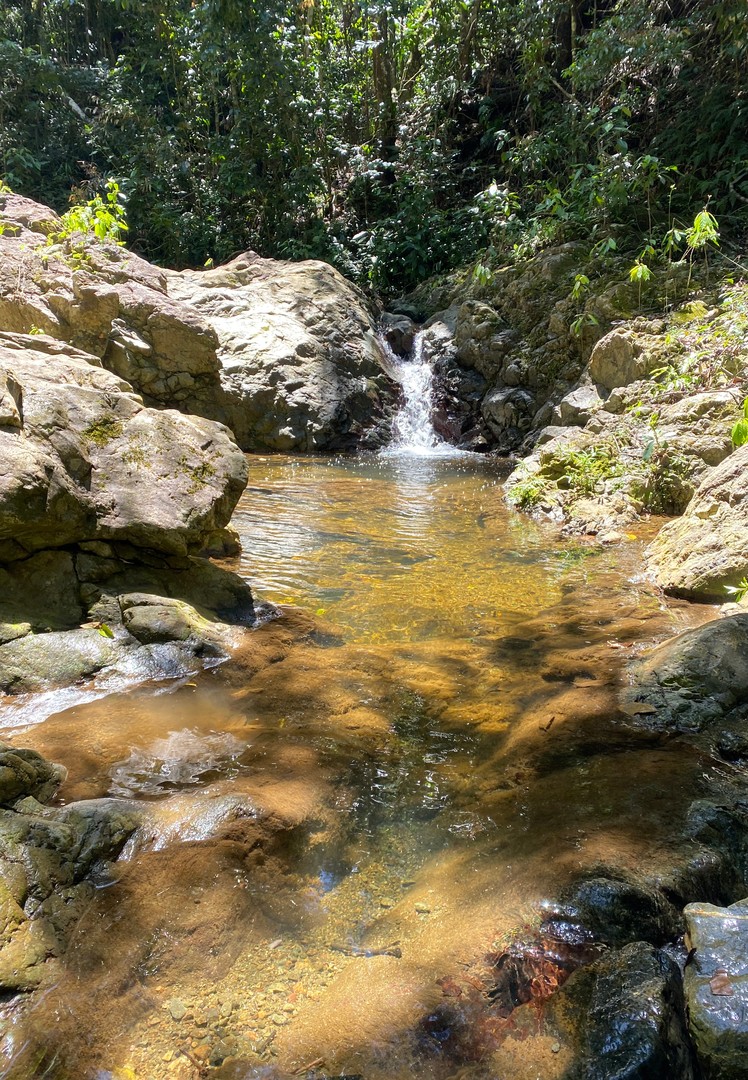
[(212, 934)]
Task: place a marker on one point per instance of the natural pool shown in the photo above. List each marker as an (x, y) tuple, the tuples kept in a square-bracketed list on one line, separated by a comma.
[(345, 825)]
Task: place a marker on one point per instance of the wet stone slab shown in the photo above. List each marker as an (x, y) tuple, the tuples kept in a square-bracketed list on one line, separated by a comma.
[(716, 984)]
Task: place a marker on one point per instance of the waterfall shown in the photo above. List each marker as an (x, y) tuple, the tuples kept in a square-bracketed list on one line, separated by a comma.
[(412, 430)]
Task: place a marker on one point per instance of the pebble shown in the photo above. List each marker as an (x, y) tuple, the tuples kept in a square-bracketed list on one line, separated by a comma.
[(177, 1008), (279, 1019), (422, 909), (556, 1048), (227, 1008), (386, 902)]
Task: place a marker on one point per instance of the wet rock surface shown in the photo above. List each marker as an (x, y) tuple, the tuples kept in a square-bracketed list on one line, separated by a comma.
[(716, 985), (45, 856), (627, 1011), (693, 681)]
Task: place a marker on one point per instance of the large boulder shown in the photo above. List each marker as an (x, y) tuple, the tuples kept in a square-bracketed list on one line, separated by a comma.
[(699, 554), (101, 497), (301, 367), (85, 460), (283, 353)]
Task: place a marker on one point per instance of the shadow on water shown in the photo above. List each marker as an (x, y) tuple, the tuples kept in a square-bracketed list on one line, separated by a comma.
[(355, 812)]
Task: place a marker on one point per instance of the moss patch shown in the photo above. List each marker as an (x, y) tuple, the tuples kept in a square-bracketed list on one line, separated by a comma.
[(102, 431)]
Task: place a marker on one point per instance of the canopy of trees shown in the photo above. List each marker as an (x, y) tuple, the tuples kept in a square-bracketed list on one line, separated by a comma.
[(395, 138)]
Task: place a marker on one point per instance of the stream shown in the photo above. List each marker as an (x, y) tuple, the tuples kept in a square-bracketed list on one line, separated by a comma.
[(374, 797)]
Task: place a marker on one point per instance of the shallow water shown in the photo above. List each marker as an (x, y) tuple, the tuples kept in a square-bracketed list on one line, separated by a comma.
[(370, 800)]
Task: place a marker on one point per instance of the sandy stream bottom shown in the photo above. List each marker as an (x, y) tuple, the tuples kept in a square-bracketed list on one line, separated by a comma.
[(414, 796)]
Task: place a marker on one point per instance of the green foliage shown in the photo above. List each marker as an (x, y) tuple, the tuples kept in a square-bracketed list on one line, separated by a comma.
[(703, 233), (396, 140), (527, 493), (582, 471), (739, 433), (103, 218), (586, 318), (658, 478), (739, 591)]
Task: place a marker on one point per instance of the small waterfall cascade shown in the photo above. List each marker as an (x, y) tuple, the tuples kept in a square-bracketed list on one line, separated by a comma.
[(413, 431)]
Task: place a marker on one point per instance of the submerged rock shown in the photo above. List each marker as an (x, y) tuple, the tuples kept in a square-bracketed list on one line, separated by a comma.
[(614, 913)]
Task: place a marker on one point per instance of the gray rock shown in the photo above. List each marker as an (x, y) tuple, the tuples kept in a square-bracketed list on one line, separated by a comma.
[(40, 661), (24, 772), (399, 332), (301, 368), (707, 549), (716, 984), (89, 461), (692, 680), (576, 407), (46, 855), (507, 412), (620, 358), (482, 338)]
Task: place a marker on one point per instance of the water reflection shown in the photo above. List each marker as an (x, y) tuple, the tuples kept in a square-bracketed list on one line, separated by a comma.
[(345, 819), (388, 547)]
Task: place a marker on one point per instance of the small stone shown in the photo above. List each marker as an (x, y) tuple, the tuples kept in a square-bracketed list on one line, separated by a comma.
[(168, 1056), (177, 1008), (556, 1048), (220, 1052), (279, 1019), (227, 1007), (422, 909), (386, 902)]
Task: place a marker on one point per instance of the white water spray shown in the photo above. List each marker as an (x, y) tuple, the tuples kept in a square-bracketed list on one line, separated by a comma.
[(413, 430)]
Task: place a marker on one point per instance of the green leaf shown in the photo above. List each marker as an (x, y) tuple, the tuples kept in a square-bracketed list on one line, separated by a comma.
[(739, 433)]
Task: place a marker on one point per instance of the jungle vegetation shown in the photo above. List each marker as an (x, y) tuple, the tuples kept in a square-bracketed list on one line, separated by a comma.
[(395, 138)]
